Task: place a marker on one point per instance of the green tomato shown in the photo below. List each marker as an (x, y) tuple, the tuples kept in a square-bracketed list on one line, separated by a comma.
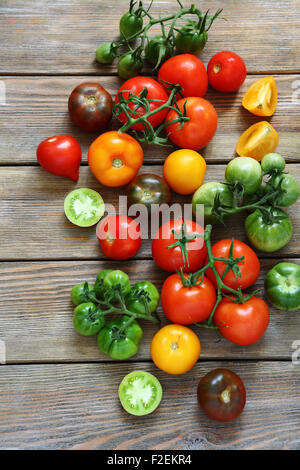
[(190, 42), (129, 65), (130, 24), (120, 344), (99, 284), (140, 290), (206, 195), (78, 294), (105, 53), (289, 185), (87, 319), (246, 171), (268, 237), (282, 285), (157, 50), (272, 161), (140, 393), (115, 283)]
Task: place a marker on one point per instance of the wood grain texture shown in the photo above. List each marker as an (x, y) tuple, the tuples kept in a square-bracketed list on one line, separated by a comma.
[(42, 36), (36, 108), (77, 407), (36, 315), (33, 224)]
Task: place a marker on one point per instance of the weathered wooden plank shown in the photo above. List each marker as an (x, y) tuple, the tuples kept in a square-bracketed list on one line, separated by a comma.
[(33, 224), (36, 315), (77, 407), (40, 36), (36, 108)]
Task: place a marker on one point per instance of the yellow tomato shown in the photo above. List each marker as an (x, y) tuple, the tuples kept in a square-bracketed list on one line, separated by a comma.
[(115, 158), (257, 141), (261, 98), (184, 171), (175, 349)]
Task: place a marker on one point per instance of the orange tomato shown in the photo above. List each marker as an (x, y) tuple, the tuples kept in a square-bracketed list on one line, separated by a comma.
[(184, 171), (261, 97), (115, 158), (257, 141), (175, 349)]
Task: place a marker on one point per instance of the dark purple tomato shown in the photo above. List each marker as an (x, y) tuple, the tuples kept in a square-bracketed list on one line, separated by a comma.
[(148, 189), (90, 107), (221, 395)]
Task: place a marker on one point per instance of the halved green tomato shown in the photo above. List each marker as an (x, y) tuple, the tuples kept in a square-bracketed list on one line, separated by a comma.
[(140, 393), (84, 207)]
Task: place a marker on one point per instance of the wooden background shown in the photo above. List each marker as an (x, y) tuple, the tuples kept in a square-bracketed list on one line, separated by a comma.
[(56, 390)]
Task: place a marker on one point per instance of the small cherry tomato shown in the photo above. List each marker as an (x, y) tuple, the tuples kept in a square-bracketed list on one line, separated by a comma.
[(226, 71), (221, 395), (90, 107), (187, 305), (115, 158), (249, 268), (179, 232), (186, 70), (184, 171), (201, 127), (242, 323), (60, 155), (119, 237), (175, 349), (154, 92)]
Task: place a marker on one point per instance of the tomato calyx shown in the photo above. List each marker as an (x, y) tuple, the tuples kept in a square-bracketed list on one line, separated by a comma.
[(182, 239), (129, 107)]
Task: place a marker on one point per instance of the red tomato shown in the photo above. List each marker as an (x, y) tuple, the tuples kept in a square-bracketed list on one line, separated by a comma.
[(199, 130), (249, 267), (119, 237), (226, 71), (187, 305), (171, 259), (60, 155), (243, 324), (186, 70), (155, 92)]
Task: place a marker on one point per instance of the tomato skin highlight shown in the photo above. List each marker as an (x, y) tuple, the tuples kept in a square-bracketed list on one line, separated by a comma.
[(187, 305), (175, 349), (226, 71), (119, 237), (115, 158), (90, 106), (60, 155), (243, 324), (249, 267), (201, 127), (171, 259), (155, 92), (186, 70), (221, 395)]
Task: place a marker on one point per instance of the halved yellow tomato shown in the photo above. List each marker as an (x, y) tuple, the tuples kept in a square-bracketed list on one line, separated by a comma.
[(258, 140), (261, 97)]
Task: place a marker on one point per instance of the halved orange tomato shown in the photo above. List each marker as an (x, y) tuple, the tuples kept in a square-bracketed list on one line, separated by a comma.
[(261, 97), (258, 140)]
